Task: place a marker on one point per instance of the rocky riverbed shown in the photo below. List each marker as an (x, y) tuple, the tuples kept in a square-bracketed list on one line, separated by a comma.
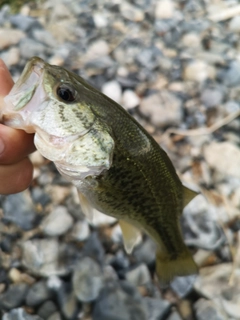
[(175, 66)]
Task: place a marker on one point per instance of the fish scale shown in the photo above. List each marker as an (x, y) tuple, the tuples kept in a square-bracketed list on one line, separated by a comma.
[(117, 167)]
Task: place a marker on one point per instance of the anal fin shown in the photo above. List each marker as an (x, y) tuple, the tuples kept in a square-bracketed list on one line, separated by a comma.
[(131, 235)]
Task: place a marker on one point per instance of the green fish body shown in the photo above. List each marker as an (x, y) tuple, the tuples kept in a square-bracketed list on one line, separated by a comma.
[(117, 167)]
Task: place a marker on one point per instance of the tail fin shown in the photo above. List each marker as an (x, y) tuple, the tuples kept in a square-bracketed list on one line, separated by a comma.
[(167, 268)]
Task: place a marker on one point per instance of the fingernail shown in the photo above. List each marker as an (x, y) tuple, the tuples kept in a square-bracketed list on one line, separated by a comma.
[(2, 147)]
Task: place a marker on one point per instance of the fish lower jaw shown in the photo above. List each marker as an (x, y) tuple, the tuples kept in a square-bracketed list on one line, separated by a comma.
[(15, 121)]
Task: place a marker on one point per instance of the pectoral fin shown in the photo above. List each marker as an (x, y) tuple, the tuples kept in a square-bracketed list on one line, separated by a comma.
[(130, 234), (188, 195), (87, 209)]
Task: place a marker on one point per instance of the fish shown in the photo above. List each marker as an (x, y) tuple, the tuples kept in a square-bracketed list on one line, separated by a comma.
[(117, 167)]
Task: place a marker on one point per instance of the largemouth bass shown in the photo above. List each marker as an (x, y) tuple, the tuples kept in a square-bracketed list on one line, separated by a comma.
[(117, 167)]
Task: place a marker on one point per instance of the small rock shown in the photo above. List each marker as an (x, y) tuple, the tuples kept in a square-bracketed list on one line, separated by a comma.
[(81, 230), (9, 37), (145, 252), (164, 9), (42, 257), (14, 296), (191, 40), (212, 97), (47, 309), (19, 209), (93, 248), (157, 308), (223, 157), (58, 222), (174, 316), (37, 294), (150, 58), (23, 22), (234, 24), (119, 303), (130, 99), (198, 71), (44, 37), (67, 301), (131, 12), (183, 285), (163, 108), (11, 57), (99, 48), (100, 20), (139, 275), (231, 75), (55, 316), (205, 309), (87, 280), (113, 90), (20, 314), (34, 48)]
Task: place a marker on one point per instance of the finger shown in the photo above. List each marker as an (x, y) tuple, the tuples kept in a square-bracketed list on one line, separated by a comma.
[(6, 81), (16, 177), (15, 145)]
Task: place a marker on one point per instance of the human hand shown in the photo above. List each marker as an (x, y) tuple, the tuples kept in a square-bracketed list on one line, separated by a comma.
[(15, 145)]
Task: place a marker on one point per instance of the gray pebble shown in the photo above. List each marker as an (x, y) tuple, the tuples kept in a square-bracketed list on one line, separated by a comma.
[(24, 23), (55, 316), (183, 285), (139, 275), (43, 257), (14, 296), (115, 303), (20, 314), (87, 280), (58, 222), (47, 309), (205, 309), (212, 97), (29, 48), (81, 230), (19, 209), (231, 76), (37, 294), (157, 308)]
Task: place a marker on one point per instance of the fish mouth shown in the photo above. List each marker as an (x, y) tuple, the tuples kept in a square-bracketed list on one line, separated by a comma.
[(16, 109)]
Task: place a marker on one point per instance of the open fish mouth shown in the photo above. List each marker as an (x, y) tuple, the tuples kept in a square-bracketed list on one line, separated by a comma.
[(17, 108)]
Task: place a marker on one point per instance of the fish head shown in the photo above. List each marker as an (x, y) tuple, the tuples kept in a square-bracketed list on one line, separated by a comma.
[(49, 101), (39, 99)]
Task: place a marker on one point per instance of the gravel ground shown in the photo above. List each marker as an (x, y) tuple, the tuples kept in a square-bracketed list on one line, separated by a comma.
[(175, 66)]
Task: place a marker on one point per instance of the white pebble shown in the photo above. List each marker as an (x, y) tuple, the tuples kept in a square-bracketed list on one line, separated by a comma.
[(112, 89)]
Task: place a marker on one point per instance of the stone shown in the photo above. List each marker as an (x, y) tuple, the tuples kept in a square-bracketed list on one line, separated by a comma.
[(157, 308), (223, 157), (150, 58), (44, 37), (191, 40), (20, 314), (81, 230), (19, 209), (130, 99), (23, 22), (131, 12), (14, 296), (47, 309), (139, 275), (231, 75), (87, 280), (163, 109), (119, 302), (113, 90), (164, 9), (34, 48), (67, 301), (11, 57), (37, 294), (55, 316), (205, 309), (182, 286), (43, 257), (93, 248), (198, 71), (212, 97), (58, 222), (9, 37), (174, 316), (234, 24)]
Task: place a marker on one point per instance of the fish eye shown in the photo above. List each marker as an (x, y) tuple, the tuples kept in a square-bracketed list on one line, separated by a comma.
[(66, 93)]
